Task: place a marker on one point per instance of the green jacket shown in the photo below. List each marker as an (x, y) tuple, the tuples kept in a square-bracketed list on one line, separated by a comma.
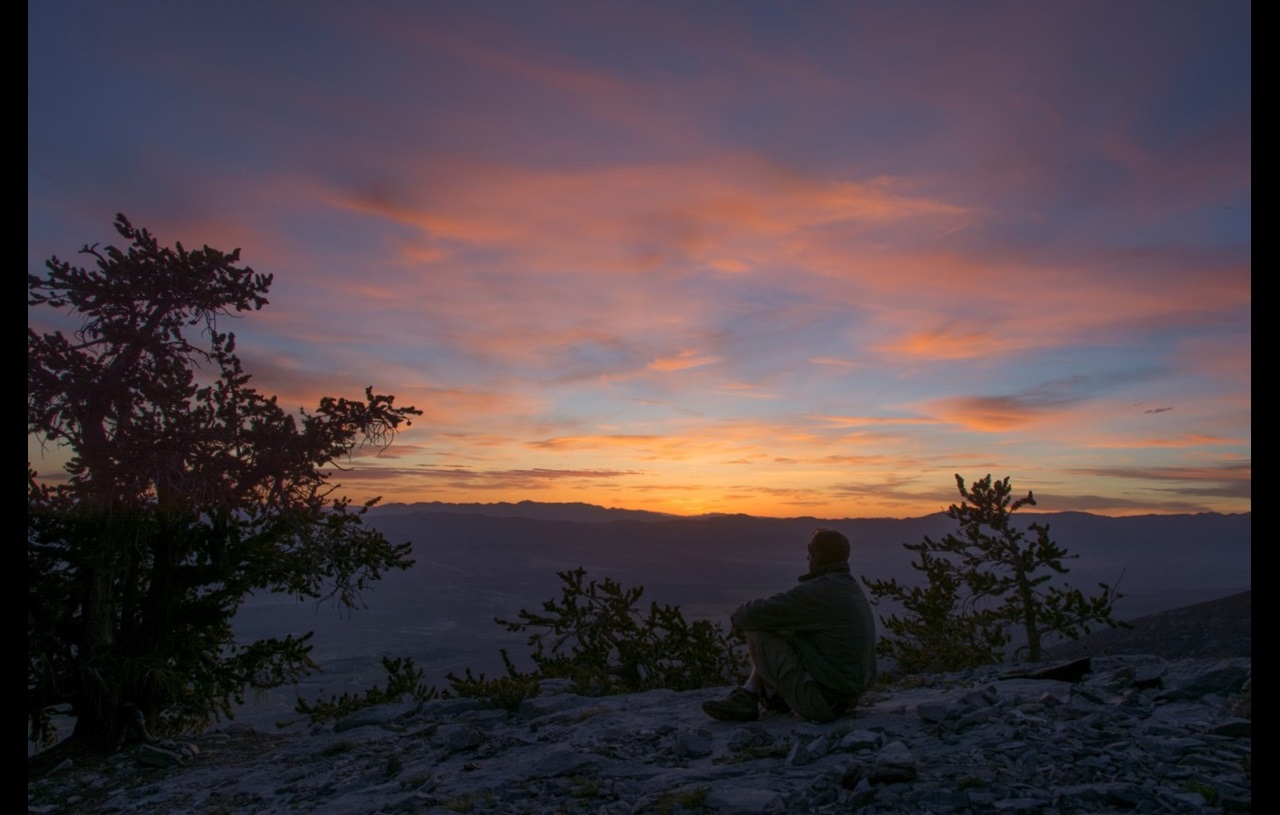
[(829, 622)]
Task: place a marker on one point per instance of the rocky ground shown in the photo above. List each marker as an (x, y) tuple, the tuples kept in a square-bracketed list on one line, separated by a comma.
[(1136, 734)]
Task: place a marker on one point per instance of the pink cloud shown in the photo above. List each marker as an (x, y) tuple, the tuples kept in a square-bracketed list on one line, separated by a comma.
[(719, 214)]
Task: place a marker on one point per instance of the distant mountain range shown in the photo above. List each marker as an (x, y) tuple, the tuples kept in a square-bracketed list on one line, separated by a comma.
[(576, 512)]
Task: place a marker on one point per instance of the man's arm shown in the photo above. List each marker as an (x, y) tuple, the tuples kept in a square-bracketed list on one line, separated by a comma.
[(798, 609)]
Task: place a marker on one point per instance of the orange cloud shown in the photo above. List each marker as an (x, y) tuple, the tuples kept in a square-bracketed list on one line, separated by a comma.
[(992, 414), (682, 362), (947, 344), (1185, 441)]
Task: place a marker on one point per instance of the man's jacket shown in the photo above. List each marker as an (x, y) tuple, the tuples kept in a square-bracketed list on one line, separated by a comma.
[(829, 622)]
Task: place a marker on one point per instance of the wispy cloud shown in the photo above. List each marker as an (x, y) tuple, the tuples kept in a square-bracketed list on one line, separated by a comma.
[(1011, 411)]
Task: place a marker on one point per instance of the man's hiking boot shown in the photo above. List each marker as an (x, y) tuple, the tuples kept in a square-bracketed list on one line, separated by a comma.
[(741, 705)]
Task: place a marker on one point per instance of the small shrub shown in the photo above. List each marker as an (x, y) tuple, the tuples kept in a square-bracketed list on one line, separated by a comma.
[(417, 780), (682, 800), (338, 748), (467, 803), (756, 752), (503, 691), (403, 678), (585, 788), (596, 636), (1206, 791), (460, 803), (1242, 704)]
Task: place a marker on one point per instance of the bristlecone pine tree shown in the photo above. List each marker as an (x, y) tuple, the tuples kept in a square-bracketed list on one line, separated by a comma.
[(186, 489), (986, 579)]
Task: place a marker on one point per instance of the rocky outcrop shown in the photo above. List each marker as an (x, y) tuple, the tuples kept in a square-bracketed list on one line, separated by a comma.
[(1218, 629), (1136, 734)]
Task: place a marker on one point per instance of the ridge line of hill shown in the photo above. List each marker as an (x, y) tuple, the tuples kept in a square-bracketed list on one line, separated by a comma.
[(581, 512)]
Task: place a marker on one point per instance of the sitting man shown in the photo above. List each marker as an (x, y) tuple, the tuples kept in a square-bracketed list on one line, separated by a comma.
[(812, 648)]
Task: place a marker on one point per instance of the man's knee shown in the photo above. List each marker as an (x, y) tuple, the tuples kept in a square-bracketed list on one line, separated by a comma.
[(779, 666), (772, 654)]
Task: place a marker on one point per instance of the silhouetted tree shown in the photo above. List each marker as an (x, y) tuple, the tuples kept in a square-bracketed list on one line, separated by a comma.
[(983, 580), (186, 490)]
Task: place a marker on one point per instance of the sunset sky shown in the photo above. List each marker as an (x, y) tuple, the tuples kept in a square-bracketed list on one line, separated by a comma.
[(780, 258)]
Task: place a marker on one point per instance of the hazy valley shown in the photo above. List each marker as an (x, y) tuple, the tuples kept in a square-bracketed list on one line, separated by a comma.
[(478, 562)]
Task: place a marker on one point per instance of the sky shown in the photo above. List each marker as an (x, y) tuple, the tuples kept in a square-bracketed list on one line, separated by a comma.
[(776, 258)]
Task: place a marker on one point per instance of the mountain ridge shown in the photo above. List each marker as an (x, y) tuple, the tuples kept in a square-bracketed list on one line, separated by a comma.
[(582, 512)]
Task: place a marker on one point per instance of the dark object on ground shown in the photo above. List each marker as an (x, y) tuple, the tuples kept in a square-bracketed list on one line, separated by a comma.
[(776, 703), (1072, 671)]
